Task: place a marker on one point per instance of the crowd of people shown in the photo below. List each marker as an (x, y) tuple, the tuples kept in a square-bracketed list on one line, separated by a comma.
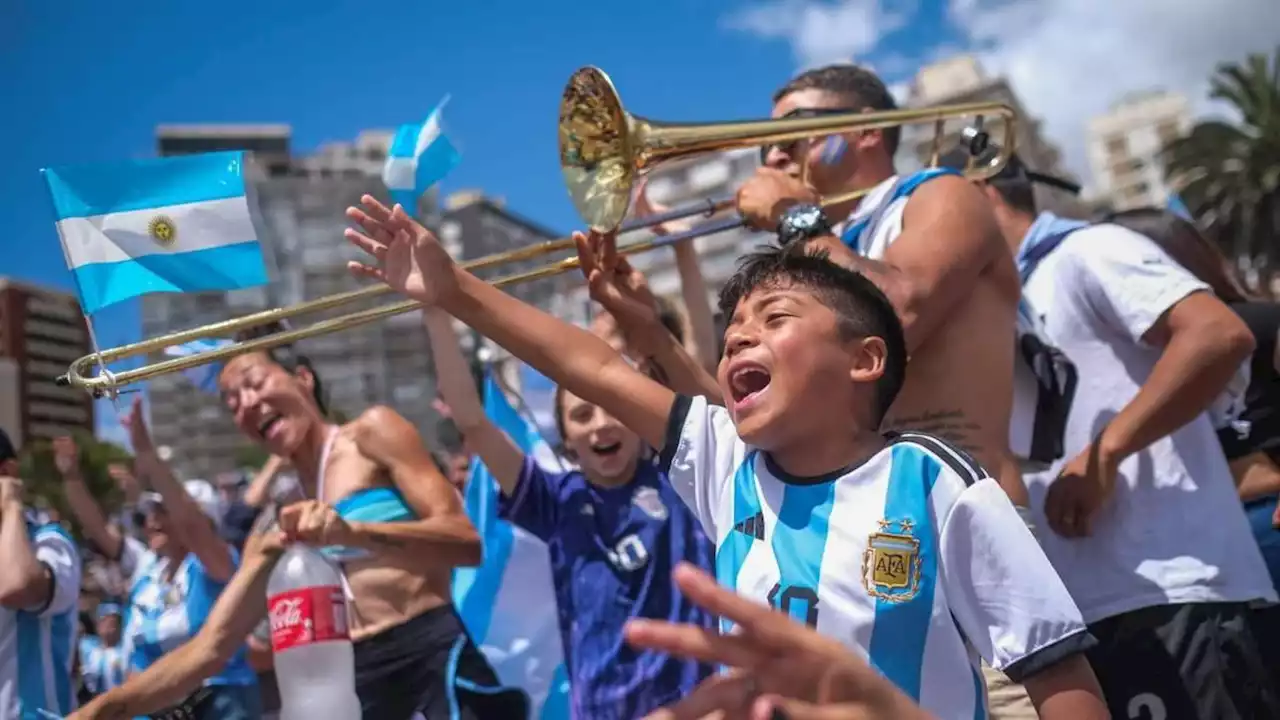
[(952, 456)]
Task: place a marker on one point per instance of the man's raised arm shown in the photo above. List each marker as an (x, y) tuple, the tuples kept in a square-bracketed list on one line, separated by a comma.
[(411, 261), (174, 677)]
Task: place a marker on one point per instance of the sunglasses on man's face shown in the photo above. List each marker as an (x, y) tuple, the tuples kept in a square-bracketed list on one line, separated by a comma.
[(790, 148)]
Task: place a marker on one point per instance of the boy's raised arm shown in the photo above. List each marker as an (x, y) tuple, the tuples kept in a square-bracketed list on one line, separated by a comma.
[(410, 260)]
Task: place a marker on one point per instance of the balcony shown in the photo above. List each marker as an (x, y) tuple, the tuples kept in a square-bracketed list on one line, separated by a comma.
[(53, 351), (67, 334), (51, 309), (57, 412)]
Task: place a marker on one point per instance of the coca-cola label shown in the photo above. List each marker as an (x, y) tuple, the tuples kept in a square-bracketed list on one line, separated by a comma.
[(307, 615)]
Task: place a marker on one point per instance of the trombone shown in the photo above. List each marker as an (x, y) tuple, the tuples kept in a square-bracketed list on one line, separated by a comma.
[(604, 151)]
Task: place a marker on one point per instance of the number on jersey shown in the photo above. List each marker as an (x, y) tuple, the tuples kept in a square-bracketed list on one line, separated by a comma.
[(629, 554), (798, 601)]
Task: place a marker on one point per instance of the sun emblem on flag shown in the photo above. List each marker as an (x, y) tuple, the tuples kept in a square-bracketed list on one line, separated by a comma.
[(162, 230)]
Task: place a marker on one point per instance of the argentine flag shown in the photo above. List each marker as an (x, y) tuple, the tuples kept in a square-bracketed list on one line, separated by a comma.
[(421, 155), (176, 225), (204, 377), (497, 599)]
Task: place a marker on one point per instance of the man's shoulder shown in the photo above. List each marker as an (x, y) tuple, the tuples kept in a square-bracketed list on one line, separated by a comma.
[(1104, 242)]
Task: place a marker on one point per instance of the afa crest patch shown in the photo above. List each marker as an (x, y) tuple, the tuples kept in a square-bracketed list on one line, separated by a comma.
[(648, 500), (891, 563)]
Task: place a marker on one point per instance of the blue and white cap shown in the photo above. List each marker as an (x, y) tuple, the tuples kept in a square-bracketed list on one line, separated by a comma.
[(200, 491)]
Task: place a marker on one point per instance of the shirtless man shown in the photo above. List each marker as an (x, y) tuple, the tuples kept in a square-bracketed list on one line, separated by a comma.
[(937, 254)]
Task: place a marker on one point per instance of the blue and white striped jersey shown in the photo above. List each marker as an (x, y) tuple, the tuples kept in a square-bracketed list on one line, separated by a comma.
[(915, 558), (163, 615), (102, 667), (37, 645)]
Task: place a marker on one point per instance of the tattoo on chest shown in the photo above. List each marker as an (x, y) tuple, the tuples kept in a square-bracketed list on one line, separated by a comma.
[(950, 425)]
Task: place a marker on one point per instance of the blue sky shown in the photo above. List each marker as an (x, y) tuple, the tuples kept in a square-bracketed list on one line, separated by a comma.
[(88, 81)]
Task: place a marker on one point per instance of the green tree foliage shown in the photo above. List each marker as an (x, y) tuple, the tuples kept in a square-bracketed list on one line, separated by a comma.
[(44, 484), (1228, 174)]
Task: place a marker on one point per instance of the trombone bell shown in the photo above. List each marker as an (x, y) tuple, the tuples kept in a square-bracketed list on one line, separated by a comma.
[(604, 149), (596, 149)]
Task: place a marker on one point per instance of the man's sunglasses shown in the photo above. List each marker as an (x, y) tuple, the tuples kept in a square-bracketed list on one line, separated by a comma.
[(789, 148)]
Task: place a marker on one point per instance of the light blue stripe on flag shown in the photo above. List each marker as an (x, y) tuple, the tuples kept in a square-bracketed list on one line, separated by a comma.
[(524, 648), (204, 377), (88, 190), (421, 155), (181, 224)]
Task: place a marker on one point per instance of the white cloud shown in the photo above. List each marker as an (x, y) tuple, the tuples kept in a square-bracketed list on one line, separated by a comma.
[(1069, 60), (821, 32)]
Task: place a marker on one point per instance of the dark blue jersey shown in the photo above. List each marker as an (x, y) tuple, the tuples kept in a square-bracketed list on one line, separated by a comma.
[(612, 552)]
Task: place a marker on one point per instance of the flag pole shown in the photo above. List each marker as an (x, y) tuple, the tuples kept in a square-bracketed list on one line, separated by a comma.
[(88, 321)]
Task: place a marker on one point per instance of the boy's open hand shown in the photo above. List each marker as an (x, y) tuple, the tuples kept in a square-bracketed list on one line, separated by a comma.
[(409, 259), (779, 667)]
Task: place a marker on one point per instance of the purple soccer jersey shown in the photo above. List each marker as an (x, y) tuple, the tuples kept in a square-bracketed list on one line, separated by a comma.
[(612, 552)]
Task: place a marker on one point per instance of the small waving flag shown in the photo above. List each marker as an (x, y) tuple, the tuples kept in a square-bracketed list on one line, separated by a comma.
[(160, 225), (494, 599), (421, 155)]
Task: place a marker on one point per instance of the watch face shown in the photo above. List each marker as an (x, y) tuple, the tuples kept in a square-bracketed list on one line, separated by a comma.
[(804, 217)]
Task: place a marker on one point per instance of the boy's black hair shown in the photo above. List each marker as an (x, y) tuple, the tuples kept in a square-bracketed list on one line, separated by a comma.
[(864, 89), (861, 309), (287, 358)]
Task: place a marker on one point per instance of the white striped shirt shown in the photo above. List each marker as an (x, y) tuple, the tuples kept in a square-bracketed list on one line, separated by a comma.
[(102, 667), (37, 645), (915, 559)]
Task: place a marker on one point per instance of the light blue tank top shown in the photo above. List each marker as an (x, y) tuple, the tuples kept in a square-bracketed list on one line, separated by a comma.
[(370, 505)]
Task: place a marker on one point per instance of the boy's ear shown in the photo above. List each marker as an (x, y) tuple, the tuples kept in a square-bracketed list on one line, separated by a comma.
[(869, 357)]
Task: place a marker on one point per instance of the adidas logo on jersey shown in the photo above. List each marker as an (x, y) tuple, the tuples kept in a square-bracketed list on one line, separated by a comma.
[(752, 526)]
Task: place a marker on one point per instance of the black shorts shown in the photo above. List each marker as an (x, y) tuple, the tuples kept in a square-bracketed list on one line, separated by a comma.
[(1196, 661), (429, 665)]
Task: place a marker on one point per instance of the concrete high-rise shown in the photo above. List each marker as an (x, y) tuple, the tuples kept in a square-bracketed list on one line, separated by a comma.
[(962, 79), (41, 333), (1125, 145)]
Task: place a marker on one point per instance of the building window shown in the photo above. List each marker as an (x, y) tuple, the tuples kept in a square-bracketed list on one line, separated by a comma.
[(1117, 145)]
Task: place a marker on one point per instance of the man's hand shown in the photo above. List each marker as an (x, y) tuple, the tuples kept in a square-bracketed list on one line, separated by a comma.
[(410, 260), (314, 523), (66, 457), (766, 196), (780, 664), (266, 541), (1082, 488), (11, 489), (620, 288), (135, 422), (123, 476)]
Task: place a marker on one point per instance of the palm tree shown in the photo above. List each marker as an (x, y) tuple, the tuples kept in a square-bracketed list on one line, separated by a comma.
[(1229, 174)]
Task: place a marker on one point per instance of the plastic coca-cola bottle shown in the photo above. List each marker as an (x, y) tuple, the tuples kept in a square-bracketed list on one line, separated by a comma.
[(314, 660)]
